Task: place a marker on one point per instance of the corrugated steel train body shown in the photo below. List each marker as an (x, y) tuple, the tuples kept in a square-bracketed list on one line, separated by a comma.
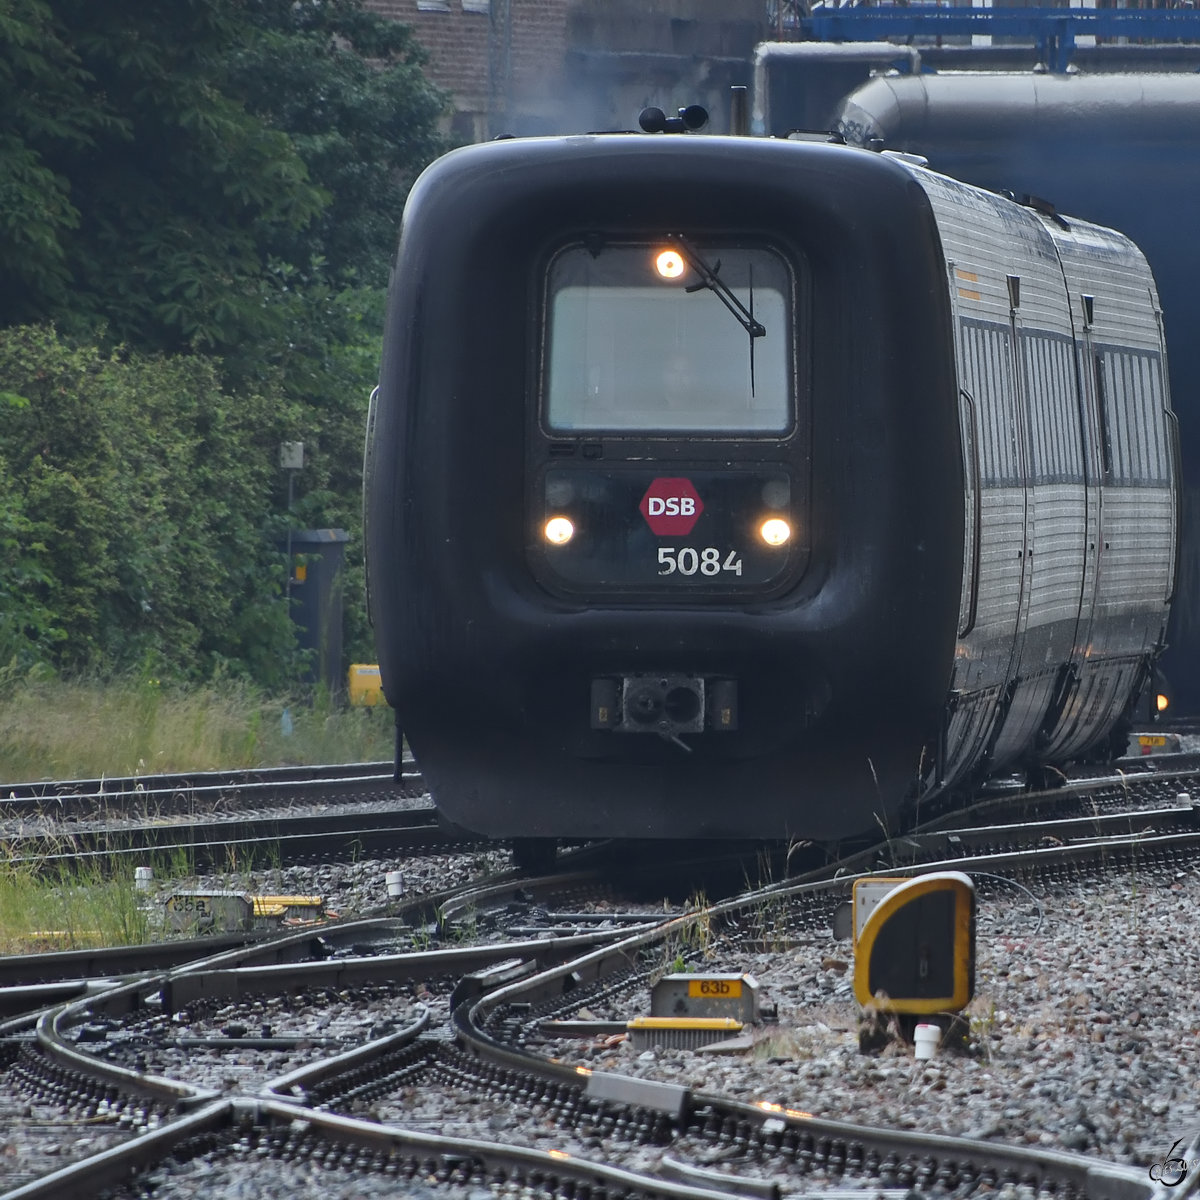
[(1069, 570), (1119, 150)]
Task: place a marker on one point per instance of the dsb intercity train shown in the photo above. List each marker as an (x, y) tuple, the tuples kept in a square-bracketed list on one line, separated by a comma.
[(725, 487)]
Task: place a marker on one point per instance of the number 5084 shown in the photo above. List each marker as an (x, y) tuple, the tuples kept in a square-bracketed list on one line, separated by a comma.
[(687, 560)]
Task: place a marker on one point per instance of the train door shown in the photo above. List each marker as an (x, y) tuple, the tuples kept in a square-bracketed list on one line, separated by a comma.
[(994, 523), (1129, 521), (1096, 449), (1089, 686), (1013, 732)]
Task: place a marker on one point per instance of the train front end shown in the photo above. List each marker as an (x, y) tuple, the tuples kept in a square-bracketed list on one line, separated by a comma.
[(664, 488)]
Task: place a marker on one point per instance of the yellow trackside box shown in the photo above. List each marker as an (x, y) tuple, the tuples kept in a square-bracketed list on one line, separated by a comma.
[(915, 947), (365, 687)]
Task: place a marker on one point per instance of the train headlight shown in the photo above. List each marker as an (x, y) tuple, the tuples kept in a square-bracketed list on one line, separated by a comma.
[(669, 264), (1162, 702), (558, 531), (775, 531)]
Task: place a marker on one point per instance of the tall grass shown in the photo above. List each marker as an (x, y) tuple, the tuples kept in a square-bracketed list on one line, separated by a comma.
[(77, 908), (54, 729)]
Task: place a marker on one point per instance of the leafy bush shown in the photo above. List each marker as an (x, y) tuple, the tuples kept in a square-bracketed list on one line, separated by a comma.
[(220, 180), (135, 514)]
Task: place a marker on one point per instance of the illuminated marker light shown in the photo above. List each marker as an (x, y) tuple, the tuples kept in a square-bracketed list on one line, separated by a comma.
[(669, 264), (775, 531), (558, 531), (1162, 702)]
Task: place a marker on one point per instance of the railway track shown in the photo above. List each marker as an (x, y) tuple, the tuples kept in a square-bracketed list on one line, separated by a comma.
[(327, 836), (297, 814), (476, 1023), (209, 794)]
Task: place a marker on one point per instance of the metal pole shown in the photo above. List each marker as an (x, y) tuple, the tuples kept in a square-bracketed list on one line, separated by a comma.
[(287, 590)]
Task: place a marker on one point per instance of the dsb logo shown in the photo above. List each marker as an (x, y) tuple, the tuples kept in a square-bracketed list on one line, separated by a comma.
[(672, 506)]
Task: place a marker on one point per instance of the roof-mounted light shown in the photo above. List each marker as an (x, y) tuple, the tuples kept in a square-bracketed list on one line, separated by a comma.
[(669, 264)]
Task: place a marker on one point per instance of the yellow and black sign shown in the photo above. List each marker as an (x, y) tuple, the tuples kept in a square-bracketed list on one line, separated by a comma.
[(916, 949)]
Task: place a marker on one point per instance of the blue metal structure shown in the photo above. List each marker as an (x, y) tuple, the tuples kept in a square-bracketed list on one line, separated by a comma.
[(1053, 30)]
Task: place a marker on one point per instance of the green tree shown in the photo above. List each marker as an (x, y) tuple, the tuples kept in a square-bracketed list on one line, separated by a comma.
[(134, 505), (160, 160), (173, 188), (346, 86), (182, 176), (45, 117)]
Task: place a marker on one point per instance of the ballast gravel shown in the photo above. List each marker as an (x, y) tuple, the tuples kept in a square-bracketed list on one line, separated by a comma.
[(351, 890), (1084, 1037), (1084, 1030)]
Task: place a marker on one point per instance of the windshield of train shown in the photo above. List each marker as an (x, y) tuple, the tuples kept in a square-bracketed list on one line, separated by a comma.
[(669, 337)]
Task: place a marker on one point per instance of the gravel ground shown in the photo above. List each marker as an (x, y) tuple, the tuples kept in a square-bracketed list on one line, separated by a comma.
[(322, 1023), (349, 890), (1084, 1037), (38, 1136), (249, 1173), (1084, 1028)]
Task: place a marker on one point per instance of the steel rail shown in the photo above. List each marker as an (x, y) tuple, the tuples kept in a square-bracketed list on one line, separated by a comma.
[(770, 1124), (468, 1158), (58, 801), (187, 781), (774, 1126), (302, 835), (612, 952)]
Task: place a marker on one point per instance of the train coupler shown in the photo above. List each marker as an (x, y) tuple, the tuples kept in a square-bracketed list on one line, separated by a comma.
[(664, 704)]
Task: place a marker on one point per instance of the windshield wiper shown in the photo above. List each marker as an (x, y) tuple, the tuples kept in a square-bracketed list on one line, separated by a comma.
[(711, 280)]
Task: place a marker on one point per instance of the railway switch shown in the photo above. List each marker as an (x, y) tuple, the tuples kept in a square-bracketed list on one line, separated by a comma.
[(914, 950), (690, 1011)]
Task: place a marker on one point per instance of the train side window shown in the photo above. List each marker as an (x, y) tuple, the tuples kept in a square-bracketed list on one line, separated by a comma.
[(1070, 433), (1050, 388), (1114, 415), (987, 392), (1158, 404), (1127, 427), (1035, 398), (1086, 415), (1102, 415), (1130, 409), (1072, 419), (1155, 431), (1135, 419), (1003, 404), (987, 362), (1050, 456), (1146, 419), (1053, 466)]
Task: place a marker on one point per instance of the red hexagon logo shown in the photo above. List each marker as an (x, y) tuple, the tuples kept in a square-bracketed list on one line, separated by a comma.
[(671, 507)]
